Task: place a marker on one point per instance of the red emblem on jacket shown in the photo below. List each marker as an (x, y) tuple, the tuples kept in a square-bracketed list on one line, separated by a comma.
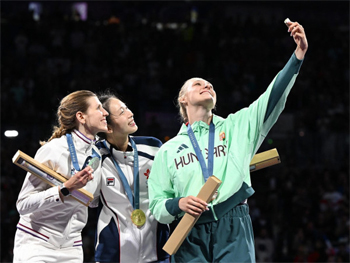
[(147, 173), (222, 136)]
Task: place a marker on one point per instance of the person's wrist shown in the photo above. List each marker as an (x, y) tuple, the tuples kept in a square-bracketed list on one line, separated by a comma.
[(64, 190), (300, 53)]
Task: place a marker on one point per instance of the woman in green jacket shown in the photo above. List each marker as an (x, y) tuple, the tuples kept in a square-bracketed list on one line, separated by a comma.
[(211, 145)]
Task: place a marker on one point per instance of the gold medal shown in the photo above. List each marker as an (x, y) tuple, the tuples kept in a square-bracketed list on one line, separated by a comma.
[(138, 217)]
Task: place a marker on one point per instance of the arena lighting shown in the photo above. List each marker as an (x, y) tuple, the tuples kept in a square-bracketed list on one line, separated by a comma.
[(194, 15), (80, 9), (11, 133), (172, 25), (36, 8), (159, 26)]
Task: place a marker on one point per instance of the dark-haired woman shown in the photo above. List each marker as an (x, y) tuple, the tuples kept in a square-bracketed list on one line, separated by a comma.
[(126, 229)]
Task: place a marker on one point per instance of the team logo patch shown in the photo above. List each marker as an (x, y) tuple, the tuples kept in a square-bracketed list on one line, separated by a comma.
[(110, 181), (182, 146), (222, 136)]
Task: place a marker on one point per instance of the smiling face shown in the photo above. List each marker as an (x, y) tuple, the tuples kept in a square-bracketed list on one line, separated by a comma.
[(121, 119), (94, 119), (199, 92)]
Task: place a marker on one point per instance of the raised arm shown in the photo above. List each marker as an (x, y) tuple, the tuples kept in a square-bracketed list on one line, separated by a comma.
[(298, 33)]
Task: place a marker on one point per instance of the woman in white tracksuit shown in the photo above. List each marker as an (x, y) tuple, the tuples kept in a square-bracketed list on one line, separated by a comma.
[(127, 161), (50, 224)]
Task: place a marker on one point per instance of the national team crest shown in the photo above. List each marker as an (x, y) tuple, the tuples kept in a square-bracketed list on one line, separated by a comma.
[(110, 181), (222, 136)]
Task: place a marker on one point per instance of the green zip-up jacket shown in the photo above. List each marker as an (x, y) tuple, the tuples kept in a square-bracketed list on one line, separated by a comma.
[(176, 171)]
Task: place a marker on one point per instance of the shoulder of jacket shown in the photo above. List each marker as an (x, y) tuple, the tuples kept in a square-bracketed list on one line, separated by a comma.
[(55, 143), (147, 140)]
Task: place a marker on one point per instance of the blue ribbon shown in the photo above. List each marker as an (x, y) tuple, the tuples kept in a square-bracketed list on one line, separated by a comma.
[(73, 154), (135, 202), (207, 171)]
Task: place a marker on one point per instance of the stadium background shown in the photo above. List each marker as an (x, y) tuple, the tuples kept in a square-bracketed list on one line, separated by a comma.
[(144, 51)]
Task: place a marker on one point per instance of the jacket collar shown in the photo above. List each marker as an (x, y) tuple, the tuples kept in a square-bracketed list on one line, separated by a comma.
[(81, 141), (198, 125), (129, 150)]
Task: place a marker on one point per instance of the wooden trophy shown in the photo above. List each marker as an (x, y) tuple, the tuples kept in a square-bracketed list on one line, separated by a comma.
[(49, 176)]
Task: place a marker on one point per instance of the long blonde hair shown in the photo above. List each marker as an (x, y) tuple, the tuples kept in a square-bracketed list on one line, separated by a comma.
[(69, 106)]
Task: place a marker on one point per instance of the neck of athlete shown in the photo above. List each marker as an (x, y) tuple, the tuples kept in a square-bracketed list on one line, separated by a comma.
[(81, 128), (119, 142), (199, 114)]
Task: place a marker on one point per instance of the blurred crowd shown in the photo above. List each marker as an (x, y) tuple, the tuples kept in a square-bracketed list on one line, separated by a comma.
[(145, 51)]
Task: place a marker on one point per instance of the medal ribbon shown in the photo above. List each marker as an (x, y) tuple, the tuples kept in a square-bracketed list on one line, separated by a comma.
[(135, 202), (73, 153), (207, 171)]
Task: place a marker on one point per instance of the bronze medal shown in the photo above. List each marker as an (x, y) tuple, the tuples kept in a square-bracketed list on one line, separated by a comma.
[(138, 217)]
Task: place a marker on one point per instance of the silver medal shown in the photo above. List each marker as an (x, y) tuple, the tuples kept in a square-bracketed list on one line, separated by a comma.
[(94, 163)]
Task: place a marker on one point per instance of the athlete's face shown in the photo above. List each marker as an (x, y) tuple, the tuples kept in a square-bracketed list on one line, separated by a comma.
[(94, 119), (200, 92), (122, 119)]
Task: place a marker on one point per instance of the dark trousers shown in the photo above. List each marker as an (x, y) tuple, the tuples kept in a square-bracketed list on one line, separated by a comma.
[(229, 239)]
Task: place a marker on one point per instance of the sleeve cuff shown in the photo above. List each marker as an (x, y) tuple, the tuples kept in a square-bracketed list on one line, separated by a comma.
[(52, 195), (172, 206), (296, 63), (56, 196)]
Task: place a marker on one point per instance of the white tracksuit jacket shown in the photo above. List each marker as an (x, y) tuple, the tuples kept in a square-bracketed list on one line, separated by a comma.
[(118, 239), (43, 214)]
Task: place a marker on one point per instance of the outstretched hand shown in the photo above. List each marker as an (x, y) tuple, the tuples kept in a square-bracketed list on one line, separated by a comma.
[(298, 33)]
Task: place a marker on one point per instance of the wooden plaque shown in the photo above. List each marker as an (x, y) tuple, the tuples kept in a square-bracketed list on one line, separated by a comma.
[(264, 159), (49, 176), (187, 221)]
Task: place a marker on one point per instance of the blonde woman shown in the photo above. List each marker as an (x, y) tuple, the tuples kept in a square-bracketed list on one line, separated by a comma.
[(211, 145)]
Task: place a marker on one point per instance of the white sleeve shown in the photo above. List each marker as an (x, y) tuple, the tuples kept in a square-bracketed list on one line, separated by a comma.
[(37, 195), (31, 199)]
